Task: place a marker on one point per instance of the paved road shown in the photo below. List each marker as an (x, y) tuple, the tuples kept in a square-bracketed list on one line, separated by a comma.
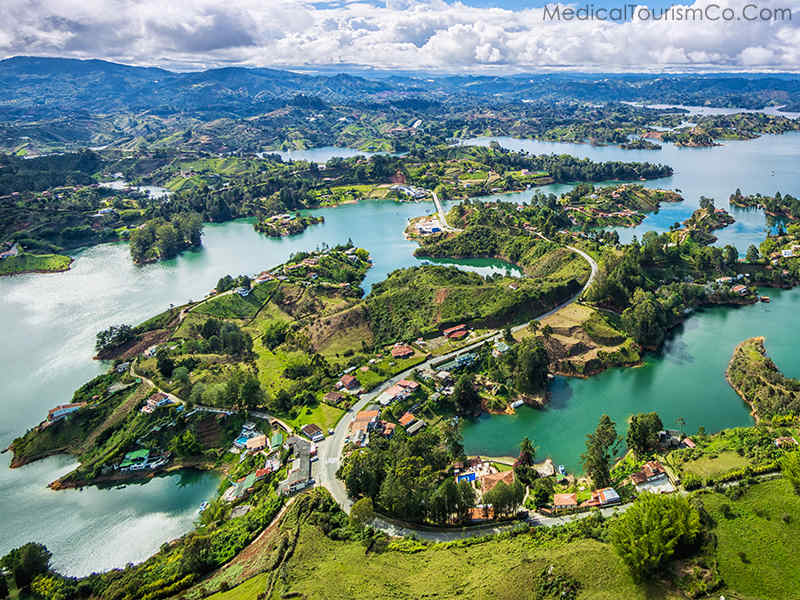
[(330, 450), (442, 217)]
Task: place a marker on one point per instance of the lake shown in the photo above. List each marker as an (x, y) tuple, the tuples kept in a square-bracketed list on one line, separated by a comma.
[(50, 322)]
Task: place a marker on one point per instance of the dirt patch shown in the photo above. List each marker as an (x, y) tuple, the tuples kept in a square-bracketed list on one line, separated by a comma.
[(135, 347), (324, 330), (441, 295), (209, 431)]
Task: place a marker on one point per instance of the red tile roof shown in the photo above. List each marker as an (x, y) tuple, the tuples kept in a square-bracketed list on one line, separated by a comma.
[(491, 480), (451, 330), (402, 351), (367, 415), (649, 471), (412, 385), (565, 500), (348, 381), (407, 419)]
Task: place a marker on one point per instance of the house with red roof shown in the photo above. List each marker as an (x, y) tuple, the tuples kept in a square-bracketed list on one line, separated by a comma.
[(457, 332), (565, 501), (402, 351), (492, 479), (348, 382), (407, 419)]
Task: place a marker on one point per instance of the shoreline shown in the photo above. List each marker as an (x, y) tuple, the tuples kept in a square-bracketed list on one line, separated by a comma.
[(760, 341)]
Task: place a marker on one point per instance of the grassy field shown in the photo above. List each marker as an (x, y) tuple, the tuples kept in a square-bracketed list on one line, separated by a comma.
[(324, 415), (34, 263), (497, 570), (249, 590), (758, 550), (709, 466), (233, 306)]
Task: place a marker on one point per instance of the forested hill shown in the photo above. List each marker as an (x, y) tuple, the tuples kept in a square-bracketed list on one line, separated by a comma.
[(45, 86)]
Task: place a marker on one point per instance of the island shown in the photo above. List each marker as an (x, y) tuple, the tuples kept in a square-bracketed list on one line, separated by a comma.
[(286, 224), (640, 143), (786, 206), (759, 382), (614, 206), (699, 227)]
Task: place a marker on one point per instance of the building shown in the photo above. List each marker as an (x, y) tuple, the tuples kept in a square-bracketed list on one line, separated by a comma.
[(402, 351), (500, 348), (276, 441), (155, 401), (348, 382), (785, 442), (565, 501), (299, 475), (689, 443), (457, 332), (415, 427), (244, 292), (312, 432), (411, 386), (444, 377), (333, 397), (652, 478), (256, 443), (392, 394), (62, 410), (407, 419), (739, 289), (136, 460), (489, 481), (603, 497), (386, 428), (240, 489)]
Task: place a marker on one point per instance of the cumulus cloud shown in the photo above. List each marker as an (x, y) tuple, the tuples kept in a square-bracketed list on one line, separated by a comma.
[(410, 34)]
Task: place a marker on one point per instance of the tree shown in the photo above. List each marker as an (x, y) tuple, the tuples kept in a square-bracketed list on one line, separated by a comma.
[(3, 587), (527, 452), (465, 396), (643, 432), (790, 466), (114, 336), (186, 444), (731, 255), (530, 374), (362, 512), (164, 363), (652, 531), (597, 458), (453, 440), (466, 500), (196, 556), (644, 319), (167, 241), (26, 562), (500, 497), (752, 254), (250, 393)]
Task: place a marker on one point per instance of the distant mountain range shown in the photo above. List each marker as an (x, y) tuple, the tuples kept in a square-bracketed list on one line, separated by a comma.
[(37, 87)]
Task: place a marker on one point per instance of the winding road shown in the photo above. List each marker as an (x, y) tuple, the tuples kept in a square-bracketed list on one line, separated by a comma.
[(330, 450)]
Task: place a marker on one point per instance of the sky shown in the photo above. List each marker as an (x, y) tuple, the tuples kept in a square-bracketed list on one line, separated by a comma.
[(493, 36)]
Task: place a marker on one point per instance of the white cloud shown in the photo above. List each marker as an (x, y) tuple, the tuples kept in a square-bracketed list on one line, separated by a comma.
[(428, 34)]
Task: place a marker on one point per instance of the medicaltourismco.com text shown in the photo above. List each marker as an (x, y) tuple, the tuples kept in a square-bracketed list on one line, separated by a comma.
[(625, 12)]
